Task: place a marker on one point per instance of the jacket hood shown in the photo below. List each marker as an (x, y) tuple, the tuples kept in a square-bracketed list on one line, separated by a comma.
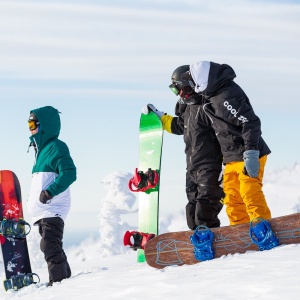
[(49, 127), (200, 72), (210, 77)]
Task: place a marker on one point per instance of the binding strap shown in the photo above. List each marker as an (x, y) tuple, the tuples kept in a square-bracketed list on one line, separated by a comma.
[(139, 239), (16, 282), (142, 182), (15, 228), (262, 235), (202, 239)]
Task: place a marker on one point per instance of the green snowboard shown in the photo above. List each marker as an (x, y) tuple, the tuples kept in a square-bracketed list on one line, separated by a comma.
[(151, 140)]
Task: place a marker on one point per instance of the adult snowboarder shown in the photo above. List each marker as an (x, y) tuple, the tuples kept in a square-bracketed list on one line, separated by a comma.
[(238, 131), (203, 156), (49, 200)]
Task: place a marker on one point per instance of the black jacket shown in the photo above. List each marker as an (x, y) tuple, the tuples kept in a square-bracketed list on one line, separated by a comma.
[(201, 145), (232, 117)]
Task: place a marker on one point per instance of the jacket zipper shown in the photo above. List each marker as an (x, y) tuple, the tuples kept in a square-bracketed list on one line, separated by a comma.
[(197, 113), (207, 113)]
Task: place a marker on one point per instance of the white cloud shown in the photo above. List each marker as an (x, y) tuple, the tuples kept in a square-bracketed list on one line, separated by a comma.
[(84, 41)]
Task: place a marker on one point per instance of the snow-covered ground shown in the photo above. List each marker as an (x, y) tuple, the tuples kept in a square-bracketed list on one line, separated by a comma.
[(104, 269)]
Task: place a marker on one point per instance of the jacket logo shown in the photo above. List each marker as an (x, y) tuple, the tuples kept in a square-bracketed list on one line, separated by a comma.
[(234, 112)]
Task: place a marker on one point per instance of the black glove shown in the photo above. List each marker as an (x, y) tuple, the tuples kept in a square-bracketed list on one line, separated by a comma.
[(45, 197)]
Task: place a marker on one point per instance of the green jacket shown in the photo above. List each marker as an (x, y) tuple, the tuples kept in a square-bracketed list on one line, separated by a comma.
[(53, 169)]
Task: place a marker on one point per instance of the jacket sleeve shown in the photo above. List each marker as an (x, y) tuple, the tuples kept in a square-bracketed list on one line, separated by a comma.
[(251, 133), (173, 125), (64, 166), (239, 112)]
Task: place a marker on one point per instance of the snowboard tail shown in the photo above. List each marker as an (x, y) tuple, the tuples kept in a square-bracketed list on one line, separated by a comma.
[(175, 248)]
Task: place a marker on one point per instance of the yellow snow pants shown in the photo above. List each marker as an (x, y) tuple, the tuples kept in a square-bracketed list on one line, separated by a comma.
[(244, 198)]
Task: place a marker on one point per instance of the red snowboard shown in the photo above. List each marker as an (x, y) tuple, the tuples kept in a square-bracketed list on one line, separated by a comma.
[(14, 250)]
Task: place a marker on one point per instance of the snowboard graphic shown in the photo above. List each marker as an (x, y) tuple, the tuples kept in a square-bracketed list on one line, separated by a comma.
[(151, 139), (175, 248), (12, 239)]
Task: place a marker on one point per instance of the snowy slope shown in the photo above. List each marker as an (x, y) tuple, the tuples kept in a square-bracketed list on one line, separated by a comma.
[(104, 269), (256, 275)]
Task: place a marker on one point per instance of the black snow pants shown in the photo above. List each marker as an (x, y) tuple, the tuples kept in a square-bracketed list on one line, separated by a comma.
[(51, 231), (204, 195)]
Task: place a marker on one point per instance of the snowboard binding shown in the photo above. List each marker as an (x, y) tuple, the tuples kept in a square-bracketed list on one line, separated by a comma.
[(262, 235), (202, 241), (143, 181), (16, 282), (139, 239), (14, 228)]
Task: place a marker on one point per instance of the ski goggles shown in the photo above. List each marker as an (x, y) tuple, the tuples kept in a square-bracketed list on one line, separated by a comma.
[(186, 90), (33, 125), (174, 88)]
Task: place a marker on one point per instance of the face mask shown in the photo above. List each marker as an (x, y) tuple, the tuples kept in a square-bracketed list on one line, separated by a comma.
[(192, 99)]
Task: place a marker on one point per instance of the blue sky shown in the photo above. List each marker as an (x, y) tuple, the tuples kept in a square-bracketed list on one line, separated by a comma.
[(100, 62)]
